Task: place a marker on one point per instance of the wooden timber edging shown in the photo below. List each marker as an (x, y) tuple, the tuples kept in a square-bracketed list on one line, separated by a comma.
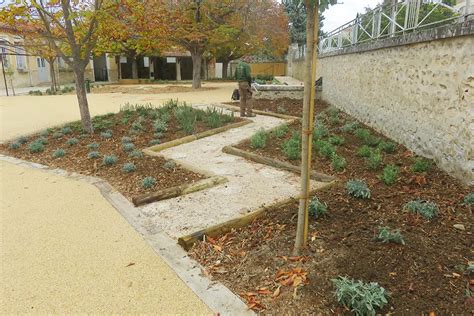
[(278, 115), (191, 138), (217, 230), (275, 163), (179, 190)]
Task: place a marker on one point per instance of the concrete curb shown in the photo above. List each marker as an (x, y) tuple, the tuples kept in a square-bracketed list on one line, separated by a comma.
[(215, 295)]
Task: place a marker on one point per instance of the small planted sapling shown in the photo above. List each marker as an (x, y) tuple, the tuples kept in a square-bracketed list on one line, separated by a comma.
[(129, 167), (374, 161), (281, 131), (364, 151), (421, 165), (72, 141), (292, 147), (386, 235), (110, 160), (427, 209), (336, 140), (358, 189), (325, 149), (338, 163), (259, 139), (36, 147), (58, 153), (388, 147), (317, 209), (390, 174), (148, 182)]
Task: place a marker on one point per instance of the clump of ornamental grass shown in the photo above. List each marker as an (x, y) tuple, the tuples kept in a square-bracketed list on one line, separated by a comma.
[(126, 140), (426, 209), (338, 163), (57, 135), (259, 139), (358, 189), (420, 165), (36, 147), (374, 161), (44, 133), (106, 134), (148, 182), (364, 151), (128, 147), (317, 208), (390, 174), (58, 153), (92, 146), (320, 130), (336, 140), (72, 141), (386, 235), (350, 127), (93, 155), (160, 126), (388, 147), (281, 131), (14, 145), (469, 199), (110, 160), (292, 147), (22, 140), (42, 140), (129, 167), (154, 142), (360, 297), (325, 149), (169, 165), (66, 130), (136, 154)]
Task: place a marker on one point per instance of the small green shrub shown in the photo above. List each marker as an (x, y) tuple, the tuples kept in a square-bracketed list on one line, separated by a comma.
[(44, 133), (336, 140), (469, 199), (136, 154), (129, 167), (374, 161), (421, 165), (22, 140), (58, 153), (358, 189), (372, 141), (325, 149), (42, 140), (170, 164), (154, 142), (126, 140), (386, 235), (361, 298), (158, 134), (92, 146), (362, 133), (427, 209), (66, 130), (320, 130), (110, 160), (281, 131), (280, 109), (160, 126), (106, 134), (128, 147), (338, 163), (14, 145), (388, 147), (390, 174), (93, 155), (186, 117), (101, 122), (364, 151), (259, 139), (350, 127), (292, 147), (214, 118), (36, 147), (148, 182), (72, 141), (57, 135), (137, 125), (317, 209)]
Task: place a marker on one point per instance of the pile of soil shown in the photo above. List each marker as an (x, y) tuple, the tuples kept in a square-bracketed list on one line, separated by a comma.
[(129, 184), (427, 274)]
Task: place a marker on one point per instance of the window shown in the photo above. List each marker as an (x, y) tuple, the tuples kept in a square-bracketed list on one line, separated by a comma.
[(4, 51), (20, 58)]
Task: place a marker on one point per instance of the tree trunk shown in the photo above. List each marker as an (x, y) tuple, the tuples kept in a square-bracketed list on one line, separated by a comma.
[(196, 55), (79, 74), (119, 68), (134, 68), (178, 69), (311, 30), (225, 64), (53, 75)]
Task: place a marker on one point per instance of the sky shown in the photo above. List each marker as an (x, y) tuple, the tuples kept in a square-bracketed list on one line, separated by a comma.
[(344, 12)]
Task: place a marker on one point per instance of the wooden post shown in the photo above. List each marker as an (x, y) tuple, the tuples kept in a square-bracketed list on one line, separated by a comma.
[(178, 69)]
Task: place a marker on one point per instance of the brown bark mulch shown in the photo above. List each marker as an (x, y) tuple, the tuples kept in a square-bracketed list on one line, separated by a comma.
[(427, 274)]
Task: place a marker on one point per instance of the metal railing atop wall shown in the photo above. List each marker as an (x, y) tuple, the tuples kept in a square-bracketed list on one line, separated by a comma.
[(399, 17)]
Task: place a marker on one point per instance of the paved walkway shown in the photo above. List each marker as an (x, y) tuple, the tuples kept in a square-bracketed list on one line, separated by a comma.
[(250, 185), (22, 115), (64, 249)]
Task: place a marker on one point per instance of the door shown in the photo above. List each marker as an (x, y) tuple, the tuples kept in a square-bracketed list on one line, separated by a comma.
[(100, 68), (43, 73)]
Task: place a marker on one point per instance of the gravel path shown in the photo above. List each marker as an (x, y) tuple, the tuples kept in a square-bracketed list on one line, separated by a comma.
[(250, 185)]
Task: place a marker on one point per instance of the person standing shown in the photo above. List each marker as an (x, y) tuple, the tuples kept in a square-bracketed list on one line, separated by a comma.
[(244, 78)]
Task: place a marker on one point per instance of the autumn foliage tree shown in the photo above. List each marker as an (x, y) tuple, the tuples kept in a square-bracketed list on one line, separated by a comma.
[(133, 28), (69, 27)]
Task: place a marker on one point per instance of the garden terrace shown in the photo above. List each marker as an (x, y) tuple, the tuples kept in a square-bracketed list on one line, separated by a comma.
[(353, 229), (114, 151), (284, 106)]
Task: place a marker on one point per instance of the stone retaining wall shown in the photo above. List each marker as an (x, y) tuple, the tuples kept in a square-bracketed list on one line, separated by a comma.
[(420, 94)]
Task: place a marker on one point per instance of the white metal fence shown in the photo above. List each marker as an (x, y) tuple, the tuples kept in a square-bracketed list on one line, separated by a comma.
[(401, 16)]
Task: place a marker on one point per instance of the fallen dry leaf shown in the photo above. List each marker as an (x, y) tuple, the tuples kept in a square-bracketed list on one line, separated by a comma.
[(130, 264), (277, 292)]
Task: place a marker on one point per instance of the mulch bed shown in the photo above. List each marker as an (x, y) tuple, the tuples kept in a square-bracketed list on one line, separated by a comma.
[(425, 275), (146, 89), (284, 106), (129, 184)]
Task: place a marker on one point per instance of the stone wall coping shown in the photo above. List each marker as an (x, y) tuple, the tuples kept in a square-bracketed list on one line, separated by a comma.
[(446, 31), (276, 87)]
